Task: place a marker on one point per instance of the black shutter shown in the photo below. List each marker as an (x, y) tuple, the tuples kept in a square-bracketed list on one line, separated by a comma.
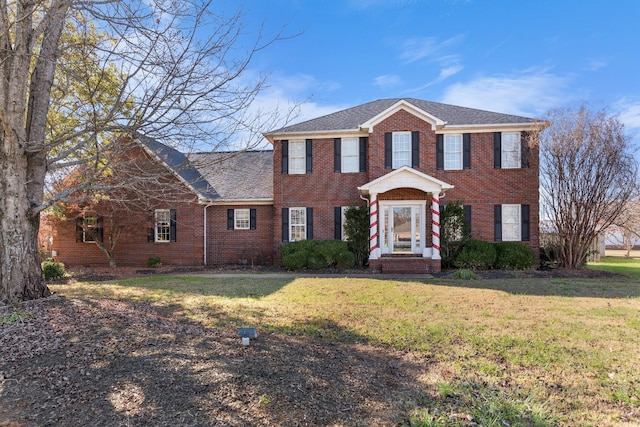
[(524, 150), (467, 218), (79, 230), (388, 150), (439, 152), (100, 229), (337, 223), (309, 223), (497, 150), (151, 235), (252, 219), (285, 224), (230, 219), (497, 223), (363, 153), (337, 154), (524, 212), (415, 149), (285, 156), (172, 226), (309, 144), (466, 151)]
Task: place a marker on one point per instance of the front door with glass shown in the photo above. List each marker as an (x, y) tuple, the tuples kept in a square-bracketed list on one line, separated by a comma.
[(402, 227)]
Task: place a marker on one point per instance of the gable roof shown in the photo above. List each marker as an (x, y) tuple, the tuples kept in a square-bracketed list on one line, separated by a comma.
[(445, 115), (230, 176)]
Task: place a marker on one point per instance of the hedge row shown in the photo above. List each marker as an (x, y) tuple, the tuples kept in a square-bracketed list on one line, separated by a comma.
[(481, 255)]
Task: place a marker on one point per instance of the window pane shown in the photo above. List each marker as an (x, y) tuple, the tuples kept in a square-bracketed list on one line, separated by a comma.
[(297, 224), (511, 150), (453, 151), (401, 149), (297, 163), (350, 155), (242, 219), (511, 222), (162, 225)]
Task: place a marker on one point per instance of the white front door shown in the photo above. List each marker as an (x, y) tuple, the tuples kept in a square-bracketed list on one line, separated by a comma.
[(402, 227)]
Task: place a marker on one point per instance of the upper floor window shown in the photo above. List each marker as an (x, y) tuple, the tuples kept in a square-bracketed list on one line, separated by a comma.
[(350, 155), (511, 150), (453, 152), (297, 155), (401, 149)]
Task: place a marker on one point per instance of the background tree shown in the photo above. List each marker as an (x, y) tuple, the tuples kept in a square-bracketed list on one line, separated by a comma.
[(625, 230), (588, 173), (175, 71)]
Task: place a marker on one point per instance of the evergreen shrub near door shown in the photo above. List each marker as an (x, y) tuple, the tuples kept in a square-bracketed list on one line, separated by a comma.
[(476, 255), (316, 255), (514, 256)]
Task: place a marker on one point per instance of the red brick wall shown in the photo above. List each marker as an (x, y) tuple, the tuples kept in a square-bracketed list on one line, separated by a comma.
[(253, 247)]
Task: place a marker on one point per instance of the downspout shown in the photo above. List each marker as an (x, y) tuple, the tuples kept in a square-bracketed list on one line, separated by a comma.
[(205, 233)]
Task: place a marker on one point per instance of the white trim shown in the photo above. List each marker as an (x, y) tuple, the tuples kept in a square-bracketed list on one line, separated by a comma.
[(408, 107), (235, 219), (519, 222), (444, 152), (405, 177), (493, 127), (304, 224), (315, 134)]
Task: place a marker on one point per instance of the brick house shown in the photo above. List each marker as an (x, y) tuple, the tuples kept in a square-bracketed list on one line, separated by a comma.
[(404, 158)]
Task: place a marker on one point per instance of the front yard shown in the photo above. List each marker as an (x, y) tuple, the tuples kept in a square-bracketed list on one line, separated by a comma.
[(163, 350)]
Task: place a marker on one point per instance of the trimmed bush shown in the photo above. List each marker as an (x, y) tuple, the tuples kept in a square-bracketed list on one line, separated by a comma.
[(463, 275), (52, 269), (514, 256), (476, 255), (316, 255), (154, 262)]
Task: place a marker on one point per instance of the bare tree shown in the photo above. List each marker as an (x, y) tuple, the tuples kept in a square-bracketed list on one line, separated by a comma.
[(588, 173), (181, 76), (625, 230)]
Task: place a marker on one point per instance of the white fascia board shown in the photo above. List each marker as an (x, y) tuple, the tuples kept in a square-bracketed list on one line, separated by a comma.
[(340, 133), (506, 127), (403, 105), (253, 202)]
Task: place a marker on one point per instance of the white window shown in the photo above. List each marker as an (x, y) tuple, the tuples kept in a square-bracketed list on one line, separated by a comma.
[(297, 224), (162, 225), (241, 219), (511, 221), (297, 159), (511, 150), (89, 228), (343, 223), (453, 152), (350, 152), (401, 149)]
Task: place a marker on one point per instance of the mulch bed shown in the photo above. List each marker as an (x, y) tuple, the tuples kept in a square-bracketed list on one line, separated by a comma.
[(68, 362)]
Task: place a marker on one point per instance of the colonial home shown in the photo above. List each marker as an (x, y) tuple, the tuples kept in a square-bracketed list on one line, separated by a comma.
[(404, 158)]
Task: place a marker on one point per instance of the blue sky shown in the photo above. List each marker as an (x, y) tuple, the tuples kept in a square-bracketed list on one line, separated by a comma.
[(519, 57)]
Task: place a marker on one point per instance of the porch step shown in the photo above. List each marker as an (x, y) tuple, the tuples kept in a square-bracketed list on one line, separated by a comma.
[(404, 265)]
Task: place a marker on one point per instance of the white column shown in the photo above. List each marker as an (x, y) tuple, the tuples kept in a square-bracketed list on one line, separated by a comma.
[(435, 226), (374, 249)]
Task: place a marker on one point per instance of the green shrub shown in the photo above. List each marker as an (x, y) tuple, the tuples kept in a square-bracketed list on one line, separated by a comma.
[(476, 255), (154, 262), (52, 269), (463, 274), (549, 255), (316, 255), (514, 256)]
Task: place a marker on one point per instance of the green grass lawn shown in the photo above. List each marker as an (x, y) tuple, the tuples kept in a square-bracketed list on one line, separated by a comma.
[(525, 352), (627, 266)]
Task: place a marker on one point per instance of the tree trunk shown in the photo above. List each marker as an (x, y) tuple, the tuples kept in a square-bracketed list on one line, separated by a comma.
[(20, 269)]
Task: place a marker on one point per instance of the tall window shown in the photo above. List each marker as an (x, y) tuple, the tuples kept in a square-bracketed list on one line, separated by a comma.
[(401, 149), (453, 152), (162, 225), (297, 224), (511, 150), (89, 228), (350, 155), (297, 157), (511, 224)]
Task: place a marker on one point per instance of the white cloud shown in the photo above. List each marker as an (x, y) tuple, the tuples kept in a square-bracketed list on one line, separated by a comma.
[(387, 81), (417, 48), (531, 92), (629, 113)]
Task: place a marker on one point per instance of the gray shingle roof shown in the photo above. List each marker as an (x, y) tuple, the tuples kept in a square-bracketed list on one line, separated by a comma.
[(242, 175), (353, 117)]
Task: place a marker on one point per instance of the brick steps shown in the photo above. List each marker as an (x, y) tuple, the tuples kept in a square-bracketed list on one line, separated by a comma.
[(403, 265)]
